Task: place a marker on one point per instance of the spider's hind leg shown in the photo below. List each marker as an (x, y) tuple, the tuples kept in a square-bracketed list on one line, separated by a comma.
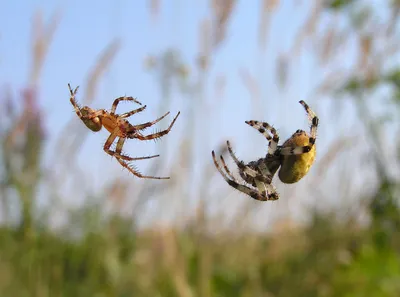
[(267, 190), (132, 112), (135, 172), (226, 175), (155, 135), (226, 168), (118, 151), (149, 124), (123, 159)]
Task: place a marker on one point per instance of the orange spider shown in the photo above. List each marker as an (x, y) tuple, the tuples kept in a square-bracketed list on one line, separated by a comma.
[(118, 126)]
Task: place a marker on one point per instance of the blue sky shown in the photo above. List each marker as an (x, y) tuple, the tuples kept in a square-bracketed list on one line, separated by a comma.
[(87, 27)]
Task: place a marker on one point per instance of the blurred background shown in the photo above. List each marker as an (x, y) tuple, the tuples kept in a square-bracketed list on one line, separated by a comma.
[(75, 223)]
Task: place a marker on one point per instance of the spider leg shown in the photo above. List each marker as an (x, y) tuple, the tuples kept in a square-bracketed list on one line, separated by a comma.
[(297, 150), (226, 168), (267, 190), (136, 172), (94, 114), (118, 151), (224, 175), (73, 100), (109, 142), (263, 127), (122, 159), (149, 124), (73, 93), (253, 193), (240, 164), (119, 99), (314, 121), (129, 113), (156, 135)]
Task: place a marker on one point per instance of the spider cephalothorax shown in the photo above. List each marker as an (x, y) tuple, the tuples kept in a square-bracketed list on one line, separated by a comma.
[(294, 158), (119, 127)]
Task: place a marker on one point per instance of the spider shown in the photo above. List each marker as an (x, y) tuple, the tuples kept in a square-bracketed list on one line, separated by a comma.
[(119, 127), (294, 158)]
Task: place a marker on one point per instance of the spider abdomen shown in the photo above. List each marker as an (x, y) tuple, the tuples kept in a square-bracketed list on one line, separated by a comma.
[(295, 167), (93, 124)]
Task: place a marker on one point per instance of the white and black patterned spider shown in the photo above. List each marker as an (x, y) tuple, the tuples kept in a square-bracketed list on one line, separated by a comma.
[(294, 158)]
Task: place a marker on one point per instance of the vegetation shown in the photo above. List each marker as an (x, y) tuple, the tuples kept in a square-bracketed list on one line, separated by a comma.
[(100, 253)]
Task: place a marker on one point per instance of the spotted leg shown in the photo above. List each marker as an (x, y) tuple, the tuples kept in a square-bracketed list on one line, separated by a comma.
[(263, 127), (246, 169), (265, 195), (314, 121)]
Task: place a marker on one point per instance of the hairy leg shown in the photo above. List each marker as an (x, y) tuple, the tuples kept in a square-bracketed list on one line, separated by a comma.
[(158, 134), (73, 100), (132, 112), (149, 124), (122, 159), (118, 152), (119, 99), (244, 168), (135, 172)]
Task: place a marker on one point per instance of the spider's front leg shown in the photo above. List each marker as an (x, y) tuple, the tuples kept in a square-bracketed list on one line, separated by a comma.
[(73, 100), (90, 117), (301, 143), (119, 99), (263, 127), (313, 119)]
